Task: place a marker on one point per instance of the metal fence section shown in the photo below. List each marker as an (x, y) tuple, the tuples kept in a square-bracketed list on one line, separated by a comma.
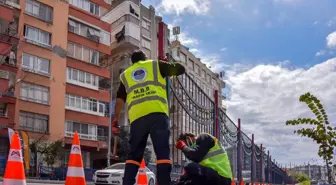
[(229, 139), (191, 110)]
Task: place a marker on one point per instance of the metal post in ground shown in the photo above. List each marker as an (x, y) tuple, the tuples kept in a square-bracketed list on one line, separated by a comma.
[(252, 161), (239, 154)]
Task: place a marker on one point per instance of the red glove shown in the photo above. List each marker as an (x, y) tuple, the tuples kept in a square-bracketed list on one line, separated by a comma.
[(180, 144), (115, 127)]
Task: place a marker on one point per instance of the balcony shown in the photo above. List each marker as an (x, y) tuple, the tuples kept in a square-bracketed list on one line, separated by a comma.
[(124, 20), (13, 3), (9, 28)]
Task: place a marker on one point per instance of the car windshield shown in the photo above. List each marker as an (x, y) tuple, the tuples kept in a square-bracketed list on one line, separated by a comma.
[(118, 166)]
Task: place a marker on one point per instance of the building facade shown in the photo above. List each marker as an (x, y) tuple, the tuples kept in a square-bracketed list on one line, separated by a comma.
[(202, 75), (314, 172), (53, 78)]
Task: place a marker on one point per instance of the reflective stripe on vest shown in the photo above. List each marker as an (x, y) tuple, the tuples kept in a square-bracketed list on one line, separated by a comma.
[(214, 153), (154, 82), (217, 159), (148, 98)]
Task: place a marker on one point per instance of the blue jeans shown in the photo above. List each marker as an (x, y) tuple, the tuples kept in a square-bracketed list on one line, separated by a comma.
[(155, 125)]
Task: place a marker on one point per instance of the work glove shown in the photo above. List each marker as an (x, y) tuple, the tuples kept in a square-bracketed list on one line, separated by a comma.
[(115, 127), (180, 144)]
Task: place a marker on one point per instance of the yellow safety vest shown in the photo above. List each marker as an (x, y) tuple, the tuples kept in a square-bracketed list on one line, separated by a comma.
[(145, 88), (218, 160)]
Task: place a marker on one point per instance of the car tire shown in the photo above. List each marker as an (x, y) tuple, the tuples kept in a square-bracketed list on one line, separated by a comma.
[(151, 182)]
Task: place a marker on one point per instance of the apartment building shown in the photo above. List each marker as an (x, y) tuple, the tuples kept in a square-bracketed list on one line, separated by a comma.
[(53, 81), (9, 40), (202, 75), (133, 26)]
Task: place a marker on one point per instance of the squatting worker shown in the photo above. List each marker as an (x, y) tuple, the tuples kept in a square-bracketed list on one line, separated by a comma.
[(210, 163), (143, 88)]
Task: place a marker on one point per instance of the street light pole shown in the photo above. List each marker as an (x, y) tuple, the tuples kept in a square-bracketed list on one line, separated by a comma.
[(108, 156)]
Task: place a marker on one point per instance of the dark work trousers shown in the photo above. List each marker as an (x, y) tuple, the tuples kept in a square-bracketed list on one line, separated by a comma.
[(196, 174), (155, 124)]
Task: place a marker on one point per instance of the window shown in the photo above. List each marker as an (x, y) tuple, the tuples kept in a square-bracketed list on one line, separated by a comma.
[(86, 5), (81, 78), (34, 93), (83, 53), (39, 10), (37, 36), (84, 30), (145, 43), (191, 64), (85, 131), (183, 57), (213, 83), (145, 24), (4, 74), (197, 69), (209, 79), (83, 104), (35, 64), (203, 74), (3, 109), (34, 122), (105, 37)]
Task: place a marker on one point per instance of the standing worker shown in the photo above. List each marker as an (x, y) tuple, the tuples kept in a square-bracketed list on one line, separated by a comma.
[(143, 88), (210, 163)]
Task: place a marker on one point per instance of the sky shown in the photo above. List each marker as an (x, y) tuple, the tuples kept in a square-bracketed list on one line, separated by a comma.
[(272, 51)]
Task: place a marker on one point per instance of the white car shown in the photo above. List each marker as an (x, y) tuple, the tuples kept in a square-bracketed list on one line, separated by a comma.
[(113, 175)]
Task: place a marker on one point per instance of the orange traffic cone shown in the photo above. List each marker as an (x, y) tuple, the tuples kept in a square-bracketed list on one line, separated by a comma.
[(75, 173), (14, 172), (142, 177), (233, 182)]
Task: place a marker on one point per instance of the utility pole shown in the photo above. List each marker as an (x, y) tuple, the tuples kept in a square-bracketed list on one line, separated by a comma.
[(111, 113)]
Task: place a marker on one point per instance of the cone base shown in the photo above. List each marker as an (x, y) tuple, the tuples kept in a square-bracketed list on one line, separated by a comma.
[(75, 181)]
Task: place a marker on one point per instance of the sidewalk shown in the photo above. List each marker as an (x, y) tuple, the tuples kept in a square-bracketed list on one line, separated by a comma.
[(40, 181)]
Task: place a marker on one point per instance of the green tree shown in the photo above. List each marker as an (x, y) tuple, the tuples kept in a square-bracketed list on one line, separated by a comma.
[(123, 146), (321, 131), (300, 177), (50, 151)]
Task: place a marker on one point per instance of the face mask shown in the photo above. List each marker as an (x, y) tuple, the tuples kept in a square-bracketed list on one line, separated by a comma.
[(190, 143)]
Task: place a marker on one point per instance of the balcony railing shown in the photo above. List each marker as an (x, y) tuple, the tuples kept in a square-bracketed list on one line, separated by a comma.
[(87, 136), (102, 138), (10, 2), (82, 136)]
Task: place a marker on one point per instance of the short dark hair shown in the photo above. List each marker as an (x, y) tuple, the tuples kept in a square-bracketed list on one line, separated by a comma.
[(183, 136), (137, 56)]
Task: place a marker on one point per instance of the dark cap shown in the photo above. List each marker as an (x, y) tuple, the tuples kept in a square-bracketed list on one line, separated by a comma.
[(137, 56)]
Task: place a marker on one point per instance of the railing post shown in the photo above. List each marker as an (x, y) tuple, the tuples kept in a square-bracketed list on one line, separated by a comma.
[(268, 168), (274, 172), (216, 112), (261, 164), (252, 161), (239, 153)]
